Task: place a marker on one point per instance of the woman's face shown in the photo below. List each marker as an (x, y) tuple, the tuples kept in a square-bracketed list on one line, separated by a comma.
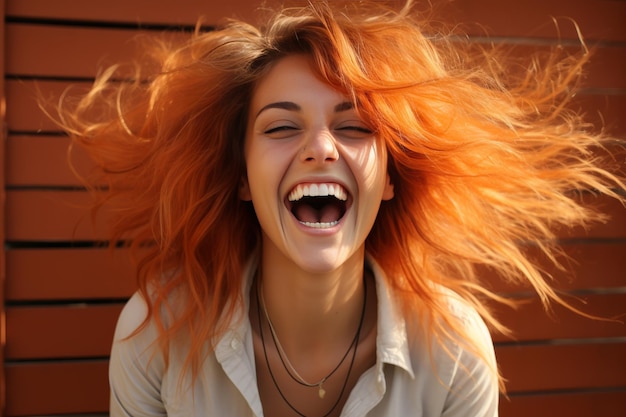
[(316, 174)]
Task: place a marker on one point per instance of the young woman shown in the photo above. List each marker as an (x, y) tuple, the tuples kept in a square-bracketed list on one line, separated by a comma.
[(311, 201)]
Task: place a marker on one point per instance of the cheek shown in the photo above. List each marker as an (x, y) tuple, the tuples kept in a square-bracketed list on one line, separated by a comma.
[(369, 165), (264, 168), (259, 179)]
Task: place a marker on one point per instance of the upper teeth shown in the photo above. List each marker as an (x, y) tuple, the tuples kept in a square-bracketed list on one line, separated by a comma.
[(318, 190)]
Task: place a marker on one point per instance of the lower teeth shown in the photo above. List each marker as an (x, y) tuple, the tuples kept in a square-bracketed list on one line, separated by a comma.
[(318, 225)]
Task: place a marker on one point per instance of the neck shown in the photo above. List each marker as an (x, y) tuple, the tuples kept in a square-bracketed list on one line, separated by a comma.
[(313, 313)]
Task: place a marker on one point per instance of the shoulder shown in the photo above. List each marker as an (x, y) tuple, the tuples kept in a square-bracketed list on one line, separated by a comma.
[(136, 365), (133, 315), (135, 340), (471, 322), (446, 375), (467, 363)]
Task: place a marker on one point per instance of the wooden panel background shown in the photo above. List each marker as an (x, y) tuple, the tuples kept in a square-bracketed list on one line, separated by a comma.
[(2, 210), (63, 292)]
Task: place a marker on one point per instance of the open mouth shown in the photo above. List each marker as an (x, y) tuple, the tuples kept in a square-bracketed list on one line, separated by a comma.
[(318, 205)]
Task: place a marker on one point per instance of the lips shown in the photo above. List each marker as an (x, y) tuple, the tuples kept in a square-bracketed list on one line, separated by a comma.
[(318, 205)]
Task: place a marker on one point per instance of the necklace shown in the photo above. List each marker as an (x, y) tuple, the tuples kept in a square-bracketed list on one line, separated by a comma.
[(291, 370), (285, 361)]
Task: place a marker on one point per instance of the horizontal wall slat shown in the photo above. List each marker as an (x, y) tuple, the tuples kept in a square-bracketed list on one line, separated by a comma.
[(59, 387), (613, 228), (60, 331), (585, 404), (36, 215), (68, 274), (594, 265), (588, 265), (531, 18), (63, 215), (50, 51), (562, 366), (82, 387), (604, 70), (41, 388), (87, 330), (24, 115), (45, 50), (43, 160), (604, 112), (136, 11), (531, 322)]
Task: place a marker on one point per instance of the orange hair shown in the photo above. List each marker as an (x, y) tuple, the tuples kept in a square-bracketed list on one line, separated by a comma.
[(483, 165)]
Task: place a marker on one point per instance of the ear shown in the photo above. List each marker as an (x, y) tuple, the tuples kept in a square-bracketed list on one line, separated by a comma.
[(244, 189), (388, 190)]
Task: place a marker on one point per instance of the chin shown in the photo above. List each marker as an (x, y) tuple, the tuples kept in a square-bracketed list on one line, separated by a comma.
[(324, 261)]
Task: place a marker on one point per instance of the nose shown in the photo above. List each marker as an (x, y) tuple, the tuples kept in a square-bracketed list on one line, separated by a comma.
[(319, 147)]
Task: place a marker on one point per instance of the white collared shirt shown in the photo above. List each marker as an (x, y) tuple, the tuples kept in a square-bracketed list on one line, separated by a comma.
[(405, 381)]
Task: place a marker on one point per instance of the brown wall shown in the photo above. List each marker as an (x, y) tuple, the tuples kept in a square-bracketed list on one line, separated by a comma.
[(62, 294)]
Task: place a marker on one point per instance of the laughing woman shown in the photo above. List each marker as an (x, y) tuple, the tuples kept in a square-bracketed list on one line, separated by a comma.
[(311, 200)]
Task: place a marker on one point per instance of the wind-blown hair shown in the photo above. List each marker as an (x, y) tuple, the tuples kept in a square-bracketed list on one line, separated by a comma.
[(483, 165)]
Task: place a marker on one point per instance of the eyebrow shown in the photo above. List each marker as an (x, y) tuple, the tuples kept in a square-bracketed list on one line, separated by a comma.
[(285, 105), (345, 106), (291, 106)]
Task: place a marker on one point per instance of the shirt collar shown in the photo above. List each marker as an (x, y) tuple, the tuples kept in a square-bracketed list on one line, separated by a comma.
[(392, 343)]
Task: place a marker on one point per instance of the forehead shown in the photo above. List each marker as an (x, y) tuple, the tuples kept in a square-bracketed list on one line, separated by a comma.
[(293, 79)]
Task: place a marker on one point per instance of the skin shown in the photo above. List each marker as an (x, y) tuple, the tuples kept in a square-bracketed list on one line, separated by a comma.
[(301, 132)]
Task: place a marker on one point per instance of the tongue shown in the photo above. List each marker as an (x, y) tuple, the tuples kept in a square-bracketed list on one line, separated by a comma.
[(327, 214)]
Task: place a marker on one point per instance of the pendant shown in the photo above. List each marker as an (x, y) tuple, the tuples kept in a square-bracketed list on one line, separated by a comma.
[(322, 391)]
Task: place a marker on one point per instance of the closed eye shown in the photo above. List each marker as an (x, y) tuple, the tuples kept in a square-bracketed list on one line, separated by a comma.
[(279, 129), (354, 131), (357, 129)]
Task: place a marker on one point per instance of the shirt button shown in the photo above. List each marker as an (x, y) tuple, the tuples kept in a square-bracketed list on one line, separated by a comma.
[(235, 344), (381, 384)]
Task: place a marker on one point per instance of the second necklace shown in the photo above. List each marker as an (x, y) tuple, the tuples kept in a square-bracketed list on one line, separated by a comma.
[(287, 364)]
